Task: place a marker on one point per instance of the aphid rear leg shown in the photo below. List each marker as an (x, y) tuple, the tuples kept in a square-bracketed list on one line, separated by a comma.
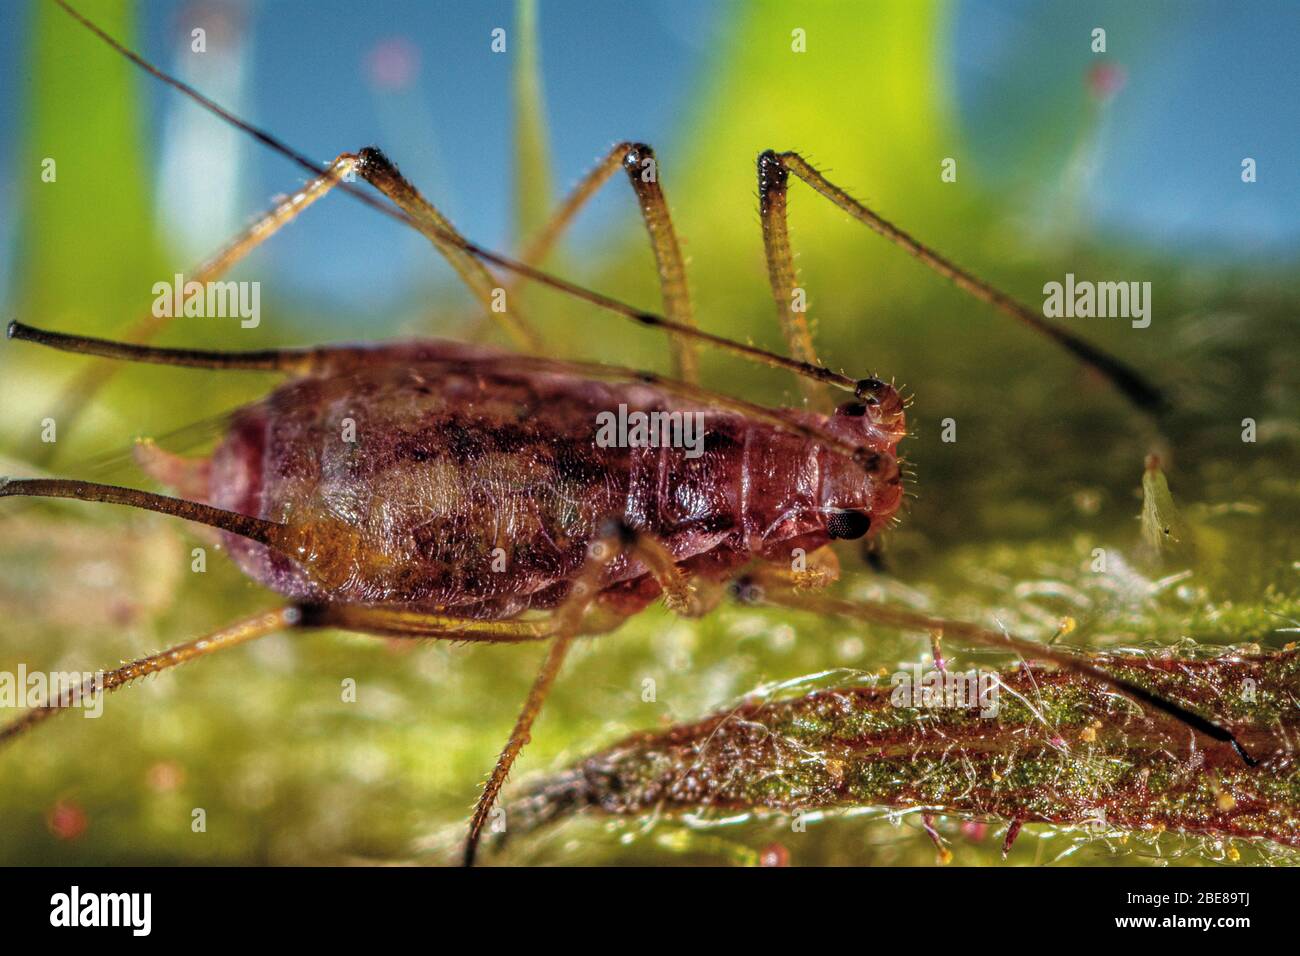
[(615, 538), (260, 625), (79, 392), (379, 171)]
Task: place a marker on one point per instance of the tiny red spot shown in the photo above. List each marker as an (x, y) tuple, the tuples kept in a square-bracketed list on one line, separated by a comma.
[(974, 830), (165, 776), (66, 820), (1105, 80), (393, 64)]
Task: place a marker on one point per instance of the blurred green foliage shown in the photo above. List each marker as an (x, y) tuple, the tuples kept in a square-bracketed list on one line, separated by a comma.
[(1002, 525)]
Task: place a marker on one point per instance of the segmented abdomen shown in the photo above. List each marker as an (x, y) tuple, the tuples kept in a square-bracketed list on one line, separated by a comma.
[(477, 490)]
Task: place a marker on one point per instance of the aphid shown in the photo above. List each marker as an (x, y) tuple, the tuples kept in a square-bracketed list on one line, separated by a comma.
[(442, 490)]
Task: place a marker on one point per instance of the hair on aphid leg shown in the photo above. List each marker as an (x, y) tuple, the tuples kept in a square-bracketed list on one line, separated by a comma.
[(378, 170), (241, 632), (1133, 385), (80, 392), (614, 538)]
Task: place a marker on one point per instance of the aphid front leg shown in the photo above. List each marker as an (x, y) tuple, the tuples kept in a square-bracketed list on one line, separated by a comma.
[(791, 304), (807, 572), (1133, 385)]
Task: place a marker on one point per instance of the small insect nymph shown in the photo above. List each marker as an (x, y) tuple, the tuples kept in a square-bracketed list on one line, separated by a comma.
[(442, 490)]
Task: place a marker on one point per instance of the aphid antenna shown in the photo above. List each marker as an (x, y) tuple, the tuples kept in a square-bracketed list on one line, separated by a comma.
[(263, 360), (302, 360)]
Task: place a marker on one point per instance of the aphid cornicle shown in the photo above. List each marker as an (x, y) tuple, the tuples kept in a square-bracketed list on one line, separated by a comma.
[(435, 489)]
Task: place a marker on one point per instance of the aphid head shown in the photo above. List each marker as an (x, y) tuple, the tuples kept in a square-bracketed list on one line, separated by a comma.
[(859, 496)]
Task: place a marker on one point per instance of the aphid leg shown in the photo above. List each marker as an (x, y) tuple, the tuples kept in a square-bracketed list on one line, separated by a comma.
[(608, 303), (379, 171), (639, 162), (401, 622), (936, 650), (791, 305), (816, 571), (1133, 385), (772, 592), (678, 590), (1013, 831), (614, 540), (260, 625), (519, 736), (540, 245), (942, 853), (79, 392), (444, 235)]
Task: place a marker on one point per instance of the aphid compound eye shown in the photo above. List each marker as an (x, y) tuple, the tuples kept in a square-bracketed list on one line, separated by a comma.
[(852, 409), (848, 525)]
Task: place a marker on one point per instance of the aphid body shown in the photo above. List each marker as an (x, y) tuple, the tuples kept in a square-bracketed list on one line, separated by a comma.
[(442, 478)]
